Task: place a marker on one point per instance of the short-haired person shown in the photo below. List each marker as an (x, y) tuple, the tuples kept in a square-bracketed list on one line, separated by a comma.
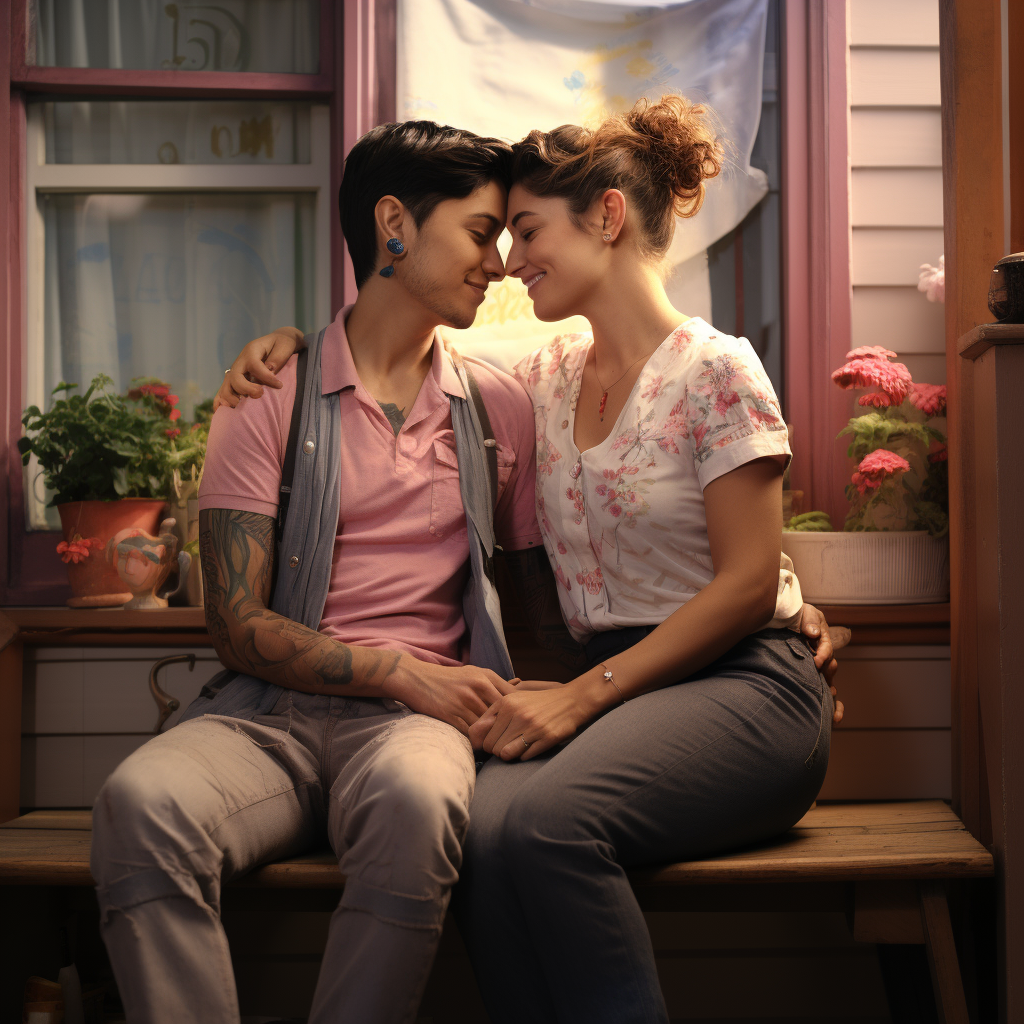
[(660, 454), (348, 719)]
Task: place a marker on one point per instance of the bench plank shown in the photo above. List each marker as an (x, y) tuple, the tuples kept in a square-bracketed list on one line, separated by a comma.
[(855, 842)]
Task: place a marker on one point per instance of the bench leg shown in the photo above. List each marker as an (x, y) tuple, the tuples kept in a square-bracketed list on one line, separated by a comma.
[(942, 960)]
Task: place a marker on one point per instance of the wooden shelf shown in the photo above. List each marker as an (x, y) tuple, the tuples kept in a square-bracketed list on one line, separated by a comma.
[(113, 627), (892, 623)]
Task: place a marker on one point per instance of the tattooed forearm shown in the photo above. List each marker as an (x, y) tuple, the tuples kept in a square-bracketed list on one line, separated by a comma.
[(535, 588), (237, 550)]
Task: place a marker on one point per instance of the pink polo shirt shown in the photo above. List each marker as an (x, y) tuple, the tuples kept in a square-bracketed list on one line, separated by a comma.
[(401, 556)]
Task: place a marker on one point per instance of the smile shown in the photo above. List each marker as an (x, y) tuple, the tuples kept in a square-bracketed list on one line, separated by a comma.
[(533, 280)]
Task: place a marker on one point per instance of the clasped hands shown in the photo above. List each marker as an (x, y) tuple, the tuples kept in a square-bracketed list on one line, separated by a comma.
[(529, 717)]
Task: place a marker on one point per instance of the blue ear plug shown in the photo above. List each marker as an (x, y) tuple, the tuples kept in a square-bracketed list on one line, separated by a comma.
[(387, 271), (395, 247)]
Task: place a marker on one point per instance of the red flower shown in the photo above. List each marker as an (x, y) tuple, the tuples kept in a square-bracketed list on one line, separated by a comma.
[(939, 452), (171, 400), (175, 415), (876, 467), (76, 549), (893, 379), (870, 352), (173, 432), (929, 398)]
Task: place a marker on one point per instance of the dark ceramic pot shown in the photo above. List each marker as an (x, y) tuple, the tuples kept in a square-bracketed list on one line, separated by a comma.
[(1006, 289)]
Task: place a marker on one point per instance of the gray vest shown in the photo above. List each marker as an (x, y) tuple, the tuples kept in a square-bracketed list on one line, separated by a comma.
[(304, 554)]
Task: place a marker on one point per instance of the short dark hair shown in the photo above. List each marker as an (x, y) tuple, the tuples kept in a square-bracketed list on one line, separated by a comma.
[(422, 164)]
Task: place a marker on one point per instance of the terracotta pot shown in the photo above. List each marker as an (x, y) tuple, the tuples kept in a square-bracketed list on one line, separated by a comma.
[(94, 581)]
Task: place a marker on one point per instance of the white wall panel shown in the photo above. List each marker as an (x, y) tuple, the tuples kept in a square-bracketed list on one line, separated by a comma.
[(894, 78), (900, 318), (899, 23), (900, 137), (889, 764), (892, 694), (926, 369), (896, 197), (891, 256)]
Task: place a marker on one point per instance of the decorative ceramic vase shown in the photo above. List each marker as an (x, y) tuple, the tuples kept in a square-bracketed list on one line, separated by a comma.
[(143, 562), (87, 527), (880, 567)]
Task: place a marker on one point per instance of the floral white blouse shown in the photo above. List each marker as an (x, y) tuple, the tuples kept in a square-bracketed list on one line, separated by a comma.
[(623, 522)]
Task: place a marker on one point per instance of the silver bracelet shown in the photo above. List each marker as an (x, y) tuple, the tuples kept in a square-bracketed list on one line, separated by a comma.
[(610, 678)]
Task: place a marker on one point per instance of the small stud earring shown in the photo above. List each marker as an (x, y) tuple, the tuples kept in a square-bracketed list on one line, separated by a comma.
[(607, 237), (395, 246)]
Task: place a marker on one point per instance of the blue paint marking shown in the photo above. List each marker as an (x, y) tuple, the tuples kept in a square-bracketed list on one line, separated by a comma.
[(214, 236), (95, 253), (574, 81)]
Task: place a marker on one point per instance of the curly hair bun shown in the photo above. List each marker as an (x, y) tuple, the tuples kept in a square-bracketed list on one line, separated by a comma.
[(659, 154), (676, 142)]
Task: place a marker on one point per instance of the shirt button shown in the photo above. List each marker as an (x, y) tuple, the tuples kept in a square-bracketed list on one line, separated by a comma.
[(565, 423), (309, 447), (293, 561), (433, 529)]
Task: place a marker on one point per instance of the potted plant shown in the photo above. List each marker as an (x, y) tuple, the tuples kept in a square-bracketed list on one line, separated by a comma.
[(107, 458), (893, 548)]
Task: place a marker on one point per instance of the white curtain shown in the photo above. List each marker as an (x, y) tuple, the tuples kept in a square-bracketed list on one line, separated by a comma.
[(504, 67), (228, 35)]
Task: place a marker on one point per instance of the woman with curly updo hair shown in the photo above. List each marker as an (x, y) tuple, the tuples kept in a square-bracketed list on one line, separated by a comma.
[(660, 454)]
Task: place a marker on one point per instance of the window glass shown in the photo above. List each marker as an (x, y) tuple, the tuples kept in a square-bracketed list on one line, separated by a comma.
[(170, 285), (746, 264), (177, 132), (153, 35)]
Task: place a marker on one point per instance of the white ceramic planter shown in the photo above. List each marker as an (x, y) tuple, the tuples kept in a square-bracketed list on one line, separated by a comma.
[(870, 568)]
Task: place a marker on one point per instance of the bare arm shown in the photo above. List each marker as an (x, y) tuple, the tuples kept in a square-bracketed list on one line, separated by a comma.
[(237, 550), (744, 517), (535, 589)]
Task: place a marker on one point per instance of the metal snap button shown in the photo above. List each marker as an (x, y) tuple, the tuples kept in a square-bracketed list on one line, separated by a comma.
[(293, 561), (309, 447)]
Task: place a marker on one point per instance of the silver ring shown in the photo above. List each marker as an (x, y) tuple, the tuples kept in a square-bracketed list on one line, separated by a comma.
[(227, 371), (526, 742)]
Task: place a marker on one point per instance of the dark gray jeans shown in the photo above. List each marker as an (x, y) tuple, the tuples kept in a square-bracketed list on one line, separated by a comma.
[(731, 756)]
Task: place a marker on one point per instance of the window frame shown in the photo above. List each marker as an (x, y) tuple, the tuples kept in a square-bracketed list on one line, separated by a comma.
[(355, 42)]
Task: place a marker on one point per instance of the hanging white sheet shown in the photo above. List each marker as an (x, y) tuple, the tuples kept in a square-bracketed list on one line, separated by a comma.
[(504, 67)]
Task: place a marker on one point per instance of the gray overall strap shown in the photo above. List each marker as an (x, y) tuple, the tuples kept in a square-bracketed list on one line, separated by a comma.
[(303, 557), (480, 604)]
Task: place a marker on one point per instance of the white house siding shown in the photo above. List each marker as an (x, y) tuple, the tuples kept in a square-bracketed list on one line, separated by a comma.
[(896, 178)]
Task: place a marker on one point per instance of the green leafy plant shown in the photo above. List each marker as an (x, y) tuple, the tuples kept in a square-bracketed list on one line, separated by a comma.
[(901, 480), (101, 446)]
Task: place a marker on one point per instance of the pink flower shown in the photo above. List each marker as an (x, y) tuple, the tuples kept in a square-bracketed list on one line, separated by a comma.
[(870, 352), (932, 281), (876, 467), (561, 548), (929, 398), (654, 388), (879, 399), (173, 432), (939, 452), (893, 379), (616, 510), (724, 401), (592, 580)]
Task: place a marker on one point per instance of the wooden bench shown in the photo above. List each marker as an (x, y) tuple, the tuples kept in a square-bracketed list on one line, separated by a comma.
[(885, 865)]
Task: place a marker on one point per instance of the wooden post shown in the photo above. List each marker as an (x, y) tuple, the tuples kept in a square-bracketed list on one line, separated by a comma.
[(972, 170), (997, 354)]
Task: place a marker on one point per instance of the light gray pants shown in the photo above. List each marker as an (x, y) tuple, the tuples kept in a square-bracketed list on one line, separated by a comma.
[(215, 797)]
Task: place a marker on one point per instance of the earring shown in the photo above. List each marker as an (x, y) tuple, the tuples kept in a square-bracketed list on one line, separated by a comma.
[(607, 237), (396, 248)]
